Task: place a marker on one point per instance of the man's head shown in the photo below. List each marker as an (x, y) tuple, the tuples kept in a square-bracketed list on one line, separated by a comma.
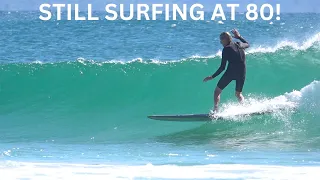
[(225, 38)]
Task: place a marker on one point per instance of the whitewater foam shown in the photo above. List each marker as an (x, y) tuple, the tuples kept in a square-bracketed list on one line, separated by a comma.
[(290, 44), (218, 171), (307, 98)]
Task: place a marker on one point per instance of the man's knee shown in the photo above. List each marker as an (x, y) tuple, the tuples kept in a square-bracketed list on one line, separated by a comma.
[(217, 91)]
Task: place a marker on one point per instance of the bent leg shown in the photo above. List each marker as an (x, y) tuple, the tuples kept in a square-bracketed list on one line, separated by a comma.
[(223, 82)]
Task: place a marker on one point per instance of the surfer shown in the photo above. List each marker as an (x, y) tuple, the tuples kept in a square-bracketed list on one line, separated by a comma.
[(233, 52)]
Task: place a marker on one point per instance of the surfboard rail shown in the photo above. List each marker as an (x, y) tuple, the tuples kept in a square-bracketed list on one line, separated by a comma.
[(182, 117)]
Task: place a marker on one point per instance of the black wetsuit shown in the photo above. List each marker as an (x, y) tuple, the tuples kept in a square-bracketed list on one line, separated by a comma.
[(235, 55)]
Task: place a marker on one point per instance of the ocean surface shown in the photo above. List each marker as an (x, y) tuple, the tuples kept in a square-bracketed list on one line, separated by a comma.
[(75, 96)]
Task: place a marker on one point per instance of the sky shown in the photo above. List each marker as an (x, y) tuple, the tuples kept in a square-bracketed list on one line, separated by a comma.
[(286, 5)]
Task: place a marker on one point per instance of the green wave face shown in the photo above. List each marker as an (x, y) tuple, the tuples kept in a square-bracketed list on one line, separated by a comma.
[(74, 100)]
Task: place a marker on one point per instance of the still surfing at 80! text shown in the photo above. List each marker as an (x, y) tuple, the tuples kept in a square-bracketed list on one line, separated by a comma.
[(153, 12)]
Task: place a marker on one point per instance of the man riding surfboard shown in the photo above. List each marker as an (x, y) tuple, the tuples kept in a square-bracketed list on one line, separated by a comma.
[(233, 52)]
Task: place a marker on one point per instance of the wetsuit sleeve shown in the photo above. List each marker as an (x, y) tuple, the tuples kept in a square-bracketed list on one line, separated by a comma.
[(222, 65), (244, 43)]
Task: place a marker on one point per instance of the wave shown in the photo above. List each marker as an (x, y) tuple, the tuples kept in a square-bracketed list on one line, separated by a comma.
[(110, 101)]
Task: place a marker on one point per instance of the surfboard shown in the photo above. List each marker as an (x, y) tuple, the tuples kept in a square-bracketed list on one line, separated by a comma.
[(199, 117), (182, 117)]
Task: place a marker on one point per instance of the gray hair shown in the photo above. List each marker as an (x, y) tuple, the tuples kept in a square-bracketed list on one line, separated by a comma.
[(226, 35)]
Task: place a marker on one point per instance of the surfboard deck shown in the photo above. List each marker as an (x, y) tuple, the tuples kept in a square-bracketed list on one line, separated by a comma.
[(198, 117)]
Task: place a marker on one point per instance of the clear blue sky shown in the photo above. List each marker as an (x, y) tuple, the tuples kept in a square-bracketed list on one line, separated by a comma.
[(286, 5)]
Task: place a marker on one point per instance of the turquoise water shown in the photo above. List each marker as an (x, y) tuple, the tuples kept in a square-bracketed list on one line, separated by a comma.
[(74, 97)]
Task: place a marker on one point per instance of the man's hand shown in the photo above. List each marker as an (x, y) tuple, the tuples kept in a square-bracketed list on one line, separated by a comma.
[(207, 79), (236, 33)]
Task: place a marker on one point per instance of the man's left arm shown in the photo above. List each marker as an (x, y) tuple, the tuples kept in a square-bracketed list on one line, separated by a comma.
[(244, 44)]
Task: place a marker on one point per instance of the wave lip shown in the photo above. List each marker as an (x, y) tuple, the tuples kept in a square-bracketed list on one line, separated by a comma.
[(291, 44)]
